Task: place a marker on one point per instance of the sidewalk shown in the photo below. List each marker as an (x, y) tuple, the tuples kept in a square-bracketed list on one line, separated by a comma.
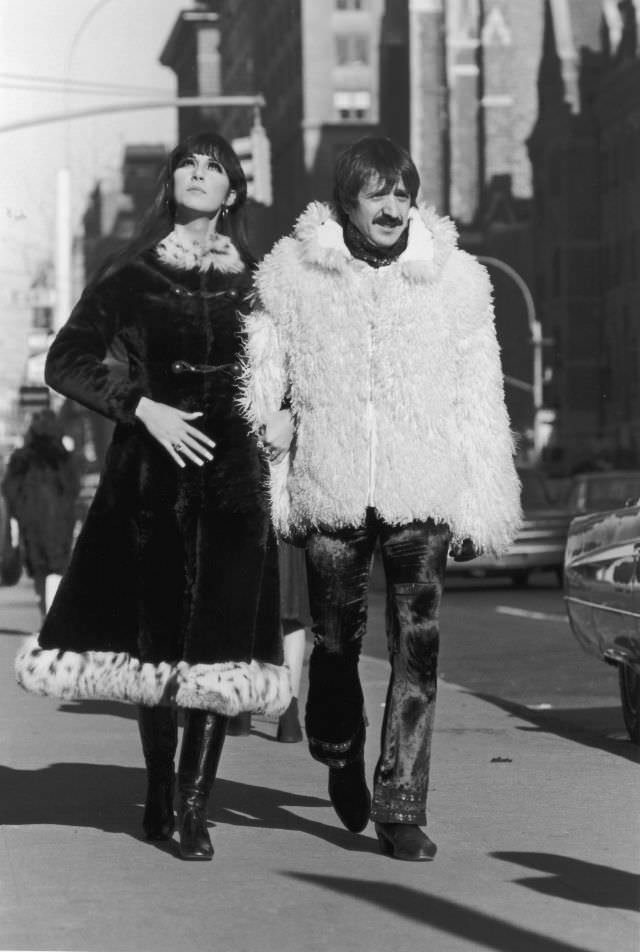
[(538, 838)]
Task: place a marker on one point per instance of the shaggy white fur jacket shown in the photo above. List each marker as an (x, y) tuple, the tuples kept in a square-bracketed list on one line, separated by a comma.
[(394, 380)]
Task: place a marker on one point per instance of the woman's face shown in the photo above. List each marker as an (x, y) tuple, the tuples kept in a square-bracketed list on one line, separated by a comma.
[(200, 187)]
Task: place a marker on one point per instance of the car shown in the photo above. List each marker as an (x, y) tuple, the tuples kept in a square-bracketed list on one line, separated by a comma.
[(602, 491), (602, 596), (539, 544)]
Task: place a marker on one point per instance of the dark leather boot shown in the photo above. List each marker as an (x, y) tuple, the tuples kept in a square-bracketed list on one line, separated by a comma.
[(159, 735), (350, 795), (405, 841), (289, 730), (202, 744), (240, 725)]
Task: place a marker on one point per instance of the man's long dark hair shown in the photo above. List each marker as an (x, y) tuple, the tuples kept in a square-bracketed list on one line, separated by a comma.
[(159, 220)]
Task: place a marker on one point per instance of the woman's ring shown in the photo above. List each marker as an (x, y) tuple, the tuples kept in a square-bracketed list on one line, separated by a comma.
[(178, 447)]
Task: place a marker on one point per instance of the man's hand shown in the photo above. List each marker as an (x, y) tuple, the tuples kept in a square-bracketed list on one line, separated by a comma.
[(464, 551), (170, 427), (277, 434)]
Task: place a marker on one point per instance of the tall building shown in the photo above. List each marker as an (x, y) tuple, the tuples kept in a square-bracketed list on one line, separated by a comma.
[(464, 74), (192, 51), (585, 152), (316, 62)]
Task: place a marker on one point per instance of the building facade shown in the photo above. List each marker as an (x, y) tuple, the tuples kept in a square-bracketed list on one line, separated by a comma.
[(192, 51), (584, 150), (316, 62), (617, 109)]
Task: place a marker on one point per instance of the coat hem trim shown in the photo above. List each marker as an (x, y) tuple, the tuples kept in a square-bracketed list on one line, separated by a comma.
[(226, 688)]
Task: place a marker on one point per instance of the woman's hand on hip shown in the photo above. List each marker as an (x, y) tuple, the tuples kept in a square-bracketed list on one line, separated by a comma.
[(171, 428), (277, 434)]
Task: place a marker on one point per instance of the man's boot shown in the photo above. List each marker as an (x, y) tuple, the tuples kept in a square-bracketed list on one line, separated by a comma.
[(202, 743), (348, 789), (159, 734)]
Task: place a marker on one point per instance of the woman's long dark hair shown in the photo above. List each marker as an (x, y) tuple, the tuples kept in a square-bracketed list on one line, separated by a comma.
[(159, 220)]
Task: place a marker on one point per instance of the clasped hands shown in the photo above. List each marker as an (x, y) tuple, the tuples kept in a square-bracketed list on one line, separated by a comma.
[(171, 428)]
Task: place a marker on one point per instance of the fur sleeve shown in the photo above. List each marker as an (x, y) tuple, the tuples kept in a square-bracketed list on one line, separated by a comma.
[(262, 381), (75, 364), (491, 493)]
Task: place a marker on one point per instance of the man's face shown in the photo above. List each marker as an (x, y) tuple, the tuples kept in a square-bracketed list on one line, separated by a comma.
[(381, 214)]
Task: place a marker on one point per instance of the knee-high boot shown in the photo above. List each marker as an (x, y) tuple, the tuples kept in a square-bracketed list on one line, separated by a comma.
[(202, 742), (159, 734)]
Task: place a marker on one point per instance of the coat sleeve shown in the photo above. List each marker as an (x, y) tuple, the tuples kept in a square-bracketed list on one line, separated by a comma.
[(75, 363), (264, 384), (491, 511)]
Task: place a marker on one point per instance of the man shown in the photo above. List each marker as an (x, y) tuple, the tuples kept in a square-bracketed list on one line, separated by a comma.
[(373, 346)]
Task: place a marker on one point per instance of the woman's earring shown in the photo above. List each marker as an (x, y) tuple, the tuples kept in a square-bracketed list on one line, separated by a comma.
[(224, 211)]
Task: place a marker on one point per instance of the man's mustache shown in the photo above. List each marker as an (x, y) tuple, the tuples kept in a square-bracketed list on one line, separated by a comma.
[(389, 220)]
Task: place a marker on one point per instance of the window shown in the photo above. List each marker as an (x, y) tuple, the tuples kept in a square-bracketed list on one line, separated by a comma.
[(352, 49), (350, 4), (352, 104)]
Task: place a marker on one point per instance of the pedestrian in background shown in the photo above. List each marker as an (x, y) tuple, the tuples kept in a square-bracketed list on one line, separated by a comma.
[(294, 612), (372, 355), (171, 599), (41, 487)]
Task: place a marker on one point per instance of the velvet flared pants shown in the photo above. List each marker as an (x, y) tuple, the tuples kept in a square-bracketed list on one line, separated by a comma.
[(338, 565)]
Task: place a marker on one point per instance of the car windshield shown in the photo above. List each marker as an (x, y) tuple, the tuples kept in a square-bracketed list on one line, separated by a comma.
[(611, 492), (534, 491)]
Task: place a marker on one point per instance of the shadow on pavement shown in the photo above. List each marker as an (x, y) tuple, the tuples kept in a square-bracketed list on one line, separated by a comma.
[(110, 798), (106, 797), (114, 708), (241, 804), (483, 930), (583, 725), (578, 880)]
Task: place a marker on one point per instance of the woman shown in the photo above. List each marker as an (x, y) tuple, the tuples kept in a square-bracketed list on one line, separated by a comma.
[(171, 598), (41, 487)]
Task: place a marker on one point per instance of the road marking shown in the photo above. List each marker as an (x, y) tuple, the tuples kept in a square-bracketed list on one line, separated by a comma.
[(523, 613)]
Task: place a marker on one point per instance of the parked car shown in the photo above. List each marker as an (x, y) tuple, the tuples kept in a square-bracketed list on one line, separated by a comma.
[(602, 491), (602, 596), (539, 544)]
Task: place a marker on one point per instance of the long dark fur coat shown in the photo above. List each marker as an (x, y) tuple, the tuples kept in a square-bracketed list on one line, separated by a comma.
[(172, 591)]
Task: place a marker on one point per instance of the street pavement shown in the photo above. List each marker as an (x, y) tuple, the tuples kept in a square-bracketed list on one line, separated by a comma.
[(539, 838)]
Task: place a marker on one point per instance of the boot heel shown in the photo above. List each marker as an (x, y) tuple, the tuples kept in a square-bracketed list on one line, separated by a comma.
[(386, 848)]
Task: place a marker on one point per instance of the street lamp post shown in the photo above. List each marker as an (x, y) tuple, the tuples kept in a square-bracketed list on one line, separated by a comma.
[(537, 341)]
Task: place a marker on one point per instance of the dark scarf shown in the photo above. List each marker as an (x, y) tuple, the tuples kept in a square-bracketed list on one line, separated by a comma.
[(373, 255)]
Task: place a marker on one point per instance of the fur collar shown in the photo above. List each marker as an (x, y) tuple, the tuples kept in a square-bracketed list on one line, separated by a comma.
[(179, 250), (431, 240)]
